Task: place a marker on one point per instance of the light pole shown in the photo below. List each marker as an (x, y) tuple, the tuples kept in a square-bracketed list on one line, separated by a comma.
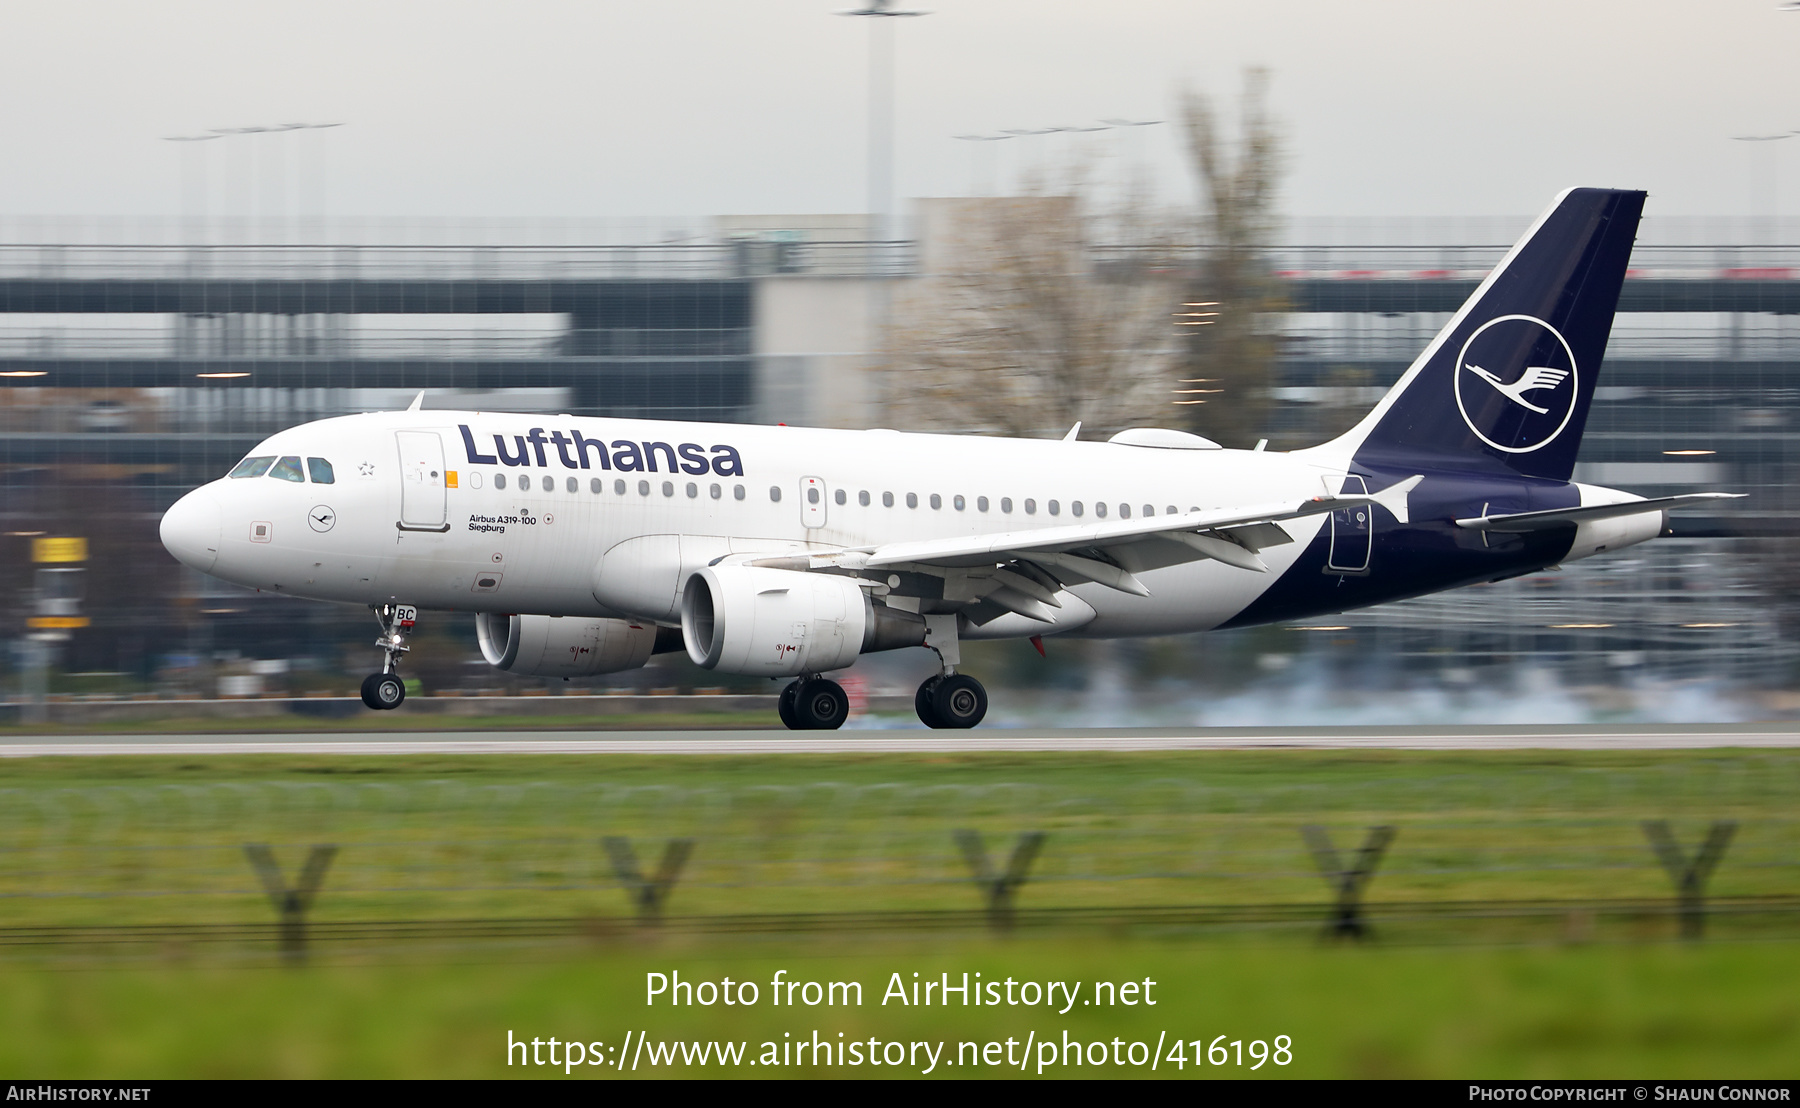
[(1770, 172), (1133, 128), (276, 177), (979, 145), (193, 184), (881, 112)]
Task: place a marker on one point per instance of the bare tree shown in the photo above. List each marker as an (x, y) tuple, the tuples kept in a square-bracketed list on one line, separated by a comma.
[(1032, 313), (1229, 344)]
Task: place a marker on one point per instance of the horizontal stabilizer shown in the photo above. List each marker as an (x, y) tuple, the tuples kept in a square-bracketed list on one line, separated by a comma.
[(1532, 521)]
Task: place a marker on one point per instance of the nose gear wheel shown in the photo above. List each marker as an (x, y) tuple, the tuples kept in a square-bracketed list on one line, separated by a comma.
[(385, 691)]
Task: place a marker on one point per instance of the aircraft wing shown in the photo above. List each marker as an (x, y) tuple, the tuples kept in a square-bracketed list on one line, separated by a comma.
[(982, 549), (1024, 571), (1532, 521)]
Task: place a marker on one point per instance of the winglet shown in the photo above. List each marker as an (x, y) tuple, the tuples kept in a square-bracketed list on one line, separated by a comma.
[(1073, 431), (418, 402)]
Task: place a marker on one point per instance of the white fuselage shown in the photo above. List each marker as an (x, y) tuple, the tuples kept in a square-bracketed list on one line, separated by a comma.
[(554, 538)]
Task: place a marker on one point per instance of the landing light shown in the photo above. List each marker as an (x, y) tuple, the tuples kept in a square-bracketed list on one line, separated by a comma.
[(1689, 453), (1333, 627), (25, 373), (1578, 626), (217, 375), (1709, 625)]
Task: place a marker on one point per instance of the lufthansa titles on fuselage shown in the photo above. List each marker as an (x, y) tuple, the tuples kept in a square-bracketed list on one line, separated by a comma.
[(576, 451)]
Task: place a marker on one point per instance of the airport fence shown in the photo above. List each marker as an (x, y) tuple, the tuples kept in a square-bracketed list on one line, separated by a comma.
[(1645, 854)]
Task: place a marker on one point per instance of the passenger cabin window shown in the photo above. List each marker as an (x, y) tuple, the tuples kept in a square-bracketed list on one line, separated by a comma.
[(499, 480), (1006, 504), (253, 467), (288, 469), (863, 498), (320, 471)]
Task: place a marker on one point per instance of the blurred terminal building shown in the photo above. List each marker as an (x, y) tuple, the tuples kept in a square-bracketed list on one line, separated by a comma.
[(141, 359)]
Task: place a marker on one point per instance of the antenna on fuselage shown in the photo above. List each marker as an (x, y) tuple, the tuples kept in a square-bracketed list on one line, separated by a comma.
[(419, 402), (1073, 431)]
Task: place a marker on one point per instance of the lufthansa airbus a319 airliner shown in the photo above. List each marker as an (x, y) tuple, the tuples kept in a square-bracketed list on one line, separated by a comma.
[(585, 545)]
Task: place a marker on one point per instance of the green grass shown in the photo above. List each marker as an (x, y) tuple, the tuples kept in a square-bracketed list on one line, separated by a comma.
[(370, 724), (156, 840), (1555, 1012)]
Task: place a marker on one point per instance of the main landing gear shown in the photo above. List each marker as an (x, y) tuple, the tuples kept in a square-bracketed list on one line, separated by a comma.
[(951, 699), (813, 703), (383, 691), (948, 700)]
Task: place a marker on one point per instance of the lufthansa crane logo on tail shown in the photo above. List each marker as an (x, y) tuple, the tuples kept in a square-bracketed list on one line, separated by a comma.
[(1516, 383)]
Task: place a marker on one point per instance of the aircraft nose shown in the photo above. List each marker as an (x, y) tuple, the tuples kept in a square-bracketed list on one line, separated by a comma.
[(191, 528)]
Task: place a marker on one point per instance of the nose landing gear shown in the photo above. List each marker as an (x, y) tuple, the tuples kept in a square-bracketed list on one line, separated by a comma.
[(384, 691)]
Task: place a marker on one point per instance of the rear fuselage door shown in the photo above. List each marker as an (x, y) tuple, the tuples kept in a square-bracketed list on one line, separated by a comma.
[(1351, 534), (422, 503), (812, 501)]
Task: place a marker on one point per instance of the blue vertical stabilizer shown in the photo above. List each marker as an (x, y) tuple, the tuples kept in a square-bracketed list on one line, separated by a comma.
[(1505, 386)]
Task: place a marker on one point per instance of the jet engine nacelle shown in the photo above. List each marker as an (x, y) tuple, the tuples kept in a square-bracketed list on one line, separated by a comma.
[(563, 646), (780, 622)]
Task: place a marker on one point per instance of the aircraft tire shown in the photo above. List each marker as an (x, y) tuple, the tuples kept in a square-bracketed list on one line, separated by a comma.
[(924, 704), (959, 701), (383, 691), (784, 706), (821, 705)]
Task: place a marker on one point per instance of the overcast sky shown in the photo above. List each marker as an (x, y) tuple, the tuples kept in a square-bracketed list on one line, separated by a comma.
[(692, 107)]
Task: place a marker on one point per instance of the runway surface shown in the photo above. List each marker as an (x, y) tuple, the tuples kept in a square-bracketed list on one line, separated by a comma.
[(998, 740)]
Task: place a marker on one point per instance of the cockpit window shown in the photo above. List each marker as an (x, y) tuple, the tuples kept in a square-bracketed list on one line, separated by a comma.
[(288, 469), (320, 469), (253, 467)]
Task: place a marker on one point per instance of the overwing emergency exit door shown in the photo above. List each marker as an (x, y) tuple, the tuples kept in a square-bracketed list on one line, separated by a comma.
[(422, 495), (1352, 537)]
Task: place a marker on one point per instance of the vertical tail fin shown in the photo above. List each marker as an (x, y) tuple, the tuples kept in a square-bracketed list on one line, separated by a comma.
[(1506, 384)]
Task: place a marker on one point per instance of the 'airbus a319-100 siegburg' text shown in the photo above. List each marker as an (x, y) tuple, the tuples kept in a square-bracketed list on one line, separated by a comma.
[(585, 545)]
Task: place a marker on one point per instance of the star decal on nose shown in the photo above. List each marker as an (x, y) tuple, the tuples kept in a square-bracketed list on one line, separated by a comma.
[(366, 469)]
